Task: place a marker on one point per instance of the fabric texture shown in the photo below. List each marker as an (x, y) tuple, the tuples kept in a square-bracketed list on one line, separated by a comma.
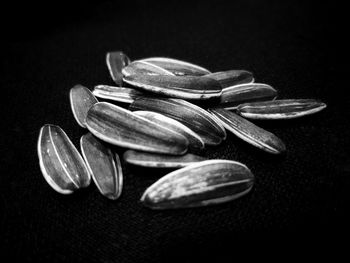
[(300, 195)]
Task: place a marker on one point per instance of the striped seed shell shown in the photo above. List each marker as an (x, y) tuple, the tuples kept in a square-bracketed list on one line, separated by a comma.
[(143, 67), (155, 160), (200, 184), (120, 94), (219, 123), (249, 132), (195, 141), (280, 109), (60, 162), (233, 96), (121, 127), (106, 171), (116, 61), (81, 100), (231, 78), (185, 87), (197, 119), (177, 67)]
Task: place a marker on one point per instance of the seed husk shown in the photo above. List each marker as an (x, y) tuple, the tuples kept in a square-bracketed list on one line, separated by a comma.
[(60, 162), (197, 119), (205, 183), (231, 78), (233, 96), (177, 67), (195, 141), (154, 160), (249, 132), (120, 94), (280, 109), (116, 61), (105, 169), (81, 100), (121, 127), (185, 87), (143, 67)]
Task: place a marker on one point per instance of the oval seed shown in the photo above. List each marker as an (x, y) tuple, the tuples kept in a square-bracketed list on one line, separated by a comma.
[(61, 164), (233, 96), (105, 171), (280, 109), (200, 184)]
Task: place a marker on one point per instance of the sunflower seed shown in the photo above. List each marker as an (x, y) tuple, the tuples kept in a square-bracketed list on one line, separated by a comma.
[(280, 109), (61, 164), (127, 95), (106, 173), (200, 184), (249, 132), (192, 116), (233, 96), (231, 78), (143, 67), (155, 160), (81, 100), (194, 139), (116, 61), (177, 67), (121, 127), (186, 87)]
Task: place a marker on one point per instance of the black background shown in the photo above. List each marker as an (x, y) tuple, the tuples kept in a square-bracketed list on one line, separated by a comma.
[(295, 46)]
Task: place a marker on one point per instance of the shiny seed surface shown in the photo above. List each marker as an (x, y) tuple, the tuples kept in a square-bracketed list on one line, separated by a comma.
[(185, 87), (154, 160), (201, 184), (231, 78), (144, 68), (121, 127), (104, 168), (233, 96), (249, 132), (280, 109), (60, 162), (197, 119), (120, 94), (178, 67), (195, 141)]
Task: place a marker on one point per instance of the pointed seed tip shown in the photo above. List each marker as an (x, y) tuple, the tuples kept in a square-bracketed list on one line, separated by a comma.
[(112, 196)]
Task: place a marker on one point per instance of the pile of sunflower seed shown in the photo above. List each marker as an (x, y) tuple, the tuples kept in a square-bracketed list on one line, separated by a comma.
[(174, 108)]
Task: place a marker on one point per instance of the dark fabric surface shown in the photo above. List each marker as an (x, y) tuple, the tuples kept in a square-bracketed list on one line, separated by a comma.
[(291, 45)]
